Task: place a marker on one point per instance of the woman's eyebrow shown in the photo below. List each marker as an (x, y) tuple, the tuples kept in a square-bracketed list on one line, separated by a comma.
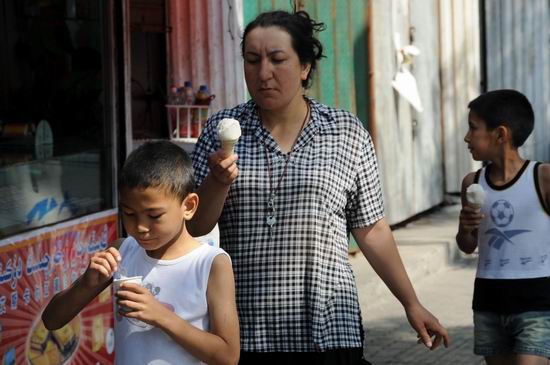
[(269, 53)]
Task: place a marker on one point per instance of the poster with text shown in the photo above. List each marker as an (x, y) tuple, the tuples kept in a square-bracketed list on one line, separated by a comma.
[(34, 267)]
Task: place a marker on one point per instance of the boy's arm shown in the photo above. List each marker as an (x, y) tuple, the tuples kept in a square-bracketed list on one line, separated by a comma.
[(469, 219), (66, 304), (219, 346), (544, 183), (378, 245)]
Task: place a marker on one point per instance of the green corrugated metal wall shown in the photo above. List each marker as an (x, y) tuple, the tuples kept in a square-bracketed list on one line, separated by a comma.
[(342, 77)]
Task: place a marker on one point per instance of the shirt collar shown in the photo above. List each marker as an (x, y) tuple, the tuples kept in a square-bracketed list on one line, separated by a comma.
[(317, 120)]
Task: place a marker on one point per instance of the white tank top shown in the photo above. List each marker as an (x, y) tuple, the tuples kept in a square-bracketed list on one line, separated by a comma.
[(514, 236), (180, 285)]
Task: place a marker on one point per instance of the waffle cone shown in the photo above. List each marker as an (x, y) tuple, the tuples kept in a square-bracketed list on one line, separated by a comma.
[(229, 145)]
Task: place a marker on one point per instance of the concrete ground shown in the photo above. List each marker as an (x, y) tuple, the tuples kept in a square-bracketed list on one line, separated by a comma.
[(443, 280)]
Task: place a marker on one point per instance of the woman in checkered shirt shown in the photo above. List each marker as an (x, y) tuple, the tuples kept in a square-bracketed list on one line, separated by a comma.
[(305, 176)]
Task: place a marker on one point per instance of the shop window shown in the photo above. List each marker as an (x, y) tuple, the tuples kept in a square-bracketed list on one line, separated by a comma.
[(55, 157)]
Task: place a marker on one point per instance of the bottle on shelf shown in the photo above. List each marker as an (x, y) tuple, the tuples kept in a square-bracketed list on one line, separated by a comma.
[(173, 99), (200, 115), (187, 97), (188, 93)]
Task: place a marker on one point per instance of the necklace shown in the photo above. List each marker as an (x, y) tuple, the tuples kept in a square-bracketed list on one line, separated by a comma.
[(271, 211)]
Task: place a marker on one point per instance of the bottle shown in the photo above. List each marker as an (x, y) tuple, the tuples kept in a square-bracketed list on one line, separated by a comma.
[(188, 93), (187, 98), (203, 96), (200, 115), (173, 99), (174, 95)]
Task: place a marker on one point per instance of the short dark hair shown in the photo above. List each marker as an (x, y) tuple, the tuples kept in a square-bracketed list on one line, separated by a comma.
[(159, 164), (301, 28), (506, 107)]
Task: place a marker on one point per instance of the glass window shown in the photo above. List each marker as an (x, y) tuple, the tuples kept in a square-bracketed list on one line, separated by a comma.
[(55, 157)]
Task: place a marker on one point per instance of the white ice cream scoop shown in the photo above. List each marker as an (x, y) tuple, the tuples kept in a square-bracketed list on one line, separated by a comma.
[(229, 132), (475, 195)]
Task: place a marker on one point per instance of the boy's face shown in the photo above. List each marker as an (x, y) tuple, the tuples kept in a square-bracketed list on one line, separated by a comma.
[(153, 217), (481, 141)]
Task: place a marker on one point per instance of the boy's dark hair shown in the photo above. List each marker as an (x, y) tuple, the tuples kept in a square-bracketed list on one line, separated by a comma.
[(301, 28), (506, 107), (161, 165)]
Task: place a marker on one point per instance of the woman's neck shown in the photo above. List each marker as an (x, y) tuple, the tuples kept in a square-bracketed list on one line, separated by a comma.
[(286, 124)]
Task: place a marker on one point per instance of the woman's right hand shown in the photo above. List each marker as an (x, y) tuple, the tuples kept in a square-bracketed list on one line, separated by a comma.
[(102, 266), (223, 167)]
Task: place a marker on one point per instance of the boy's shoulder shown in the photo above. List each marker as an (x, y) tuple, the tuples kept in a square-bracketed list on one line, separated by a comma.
[(544, 170), (470, 178)]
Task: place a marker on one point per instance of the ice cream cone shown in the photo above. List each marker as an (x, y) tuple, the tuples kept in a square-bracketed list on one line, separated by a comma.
[(229, 132), (475, 196), (229, 145)]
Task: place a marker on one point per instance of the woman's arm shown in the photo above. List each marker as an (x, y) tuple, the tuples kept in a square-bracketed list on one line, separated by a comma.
[(213, 192), (377, 244)]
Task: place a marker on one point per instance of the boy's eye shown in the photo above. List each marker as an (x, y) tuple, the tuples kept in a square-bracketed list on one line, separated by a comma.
[(127, 213), (156, 216)]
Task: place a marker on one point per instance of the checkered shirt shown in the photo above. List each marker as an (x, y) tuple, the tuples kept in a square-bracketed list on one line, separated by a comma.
[(295, 286)]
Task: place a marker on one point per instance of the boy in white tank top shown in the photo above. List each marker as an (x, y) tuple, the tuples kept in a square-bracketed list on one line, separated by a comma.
[(511, 230), (184, 311)]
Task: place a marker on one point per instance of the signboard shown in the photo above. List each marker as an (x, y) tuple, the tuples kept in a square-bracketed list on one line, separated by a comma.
[(33, 268)]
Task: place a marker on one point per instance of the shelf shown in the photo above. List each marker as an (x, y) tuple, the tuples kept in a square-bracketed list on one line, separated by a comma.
[(185, 122)]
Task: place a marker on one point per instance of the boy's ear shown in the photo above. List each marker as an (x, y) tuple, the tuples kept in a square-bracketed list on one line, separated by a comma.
[(503, 134), (189, 206)]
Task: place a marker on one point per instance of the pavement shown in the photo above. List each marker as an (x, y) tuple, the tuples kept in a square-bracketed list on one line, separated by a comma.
[(443, 279)]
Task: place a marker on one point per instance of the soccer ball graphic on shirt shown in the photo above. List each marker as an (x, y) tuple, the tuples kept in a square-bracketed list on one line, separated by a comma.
[(502, 213)]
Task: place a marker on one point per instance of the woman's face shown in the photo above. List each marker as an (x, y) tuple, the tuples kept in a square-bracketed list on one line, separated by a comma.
[(272, 68)]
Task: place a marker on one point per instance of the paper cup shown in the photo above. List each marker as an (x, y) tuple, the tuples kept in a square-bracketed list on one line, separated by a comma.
[(118, 282)]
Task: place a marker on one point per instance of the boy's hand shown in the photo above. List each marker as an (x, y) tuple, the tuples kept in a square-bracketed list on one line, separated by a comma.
[(470, 218), (223, 167), (143, 305), (430, 331), (102, 266)]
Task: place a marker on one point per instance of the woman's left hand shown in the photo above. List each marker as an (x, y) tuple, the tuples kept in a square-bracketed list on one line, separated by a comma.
[(141, 303), (430, 331)]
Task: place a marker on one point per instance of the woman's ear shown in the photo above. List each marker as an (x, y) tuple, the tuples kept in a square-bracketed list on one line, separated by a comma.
[(189, 206), (305, 71)]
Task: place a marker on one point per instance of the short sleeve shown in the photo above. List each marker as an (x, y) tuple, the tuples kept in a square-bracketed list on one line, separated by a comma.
[(365, 204), (206, 145)]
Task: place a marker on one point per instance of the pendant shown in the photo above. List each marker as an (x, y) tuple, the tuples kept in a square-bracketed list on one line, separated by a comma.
[(271, 220)]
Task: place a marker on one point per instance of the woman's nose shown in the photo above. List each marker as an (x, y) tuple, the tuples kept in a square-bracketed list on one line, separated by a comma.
[(265, 71)]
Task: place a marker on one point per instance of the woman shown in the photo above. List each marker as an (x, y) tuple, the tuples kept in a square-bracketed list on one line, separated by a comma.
[(306, 176)]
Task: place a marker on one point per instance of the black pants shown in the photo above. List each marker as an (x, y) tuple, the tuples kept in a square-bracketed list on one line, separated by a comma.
[(353, 356)]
